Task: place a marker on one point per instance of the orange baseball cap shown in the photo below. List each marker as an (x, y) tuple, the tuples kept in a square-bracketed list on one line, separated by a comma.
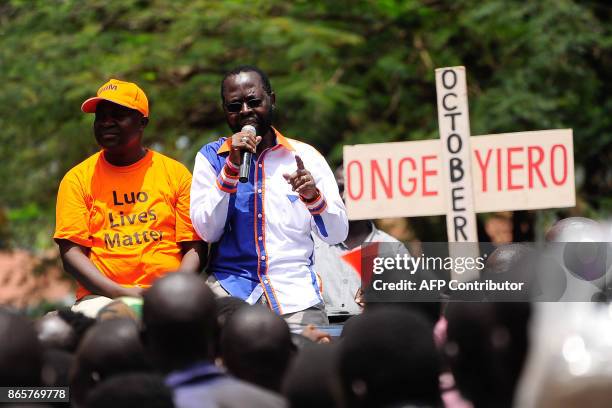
[(127, 94)]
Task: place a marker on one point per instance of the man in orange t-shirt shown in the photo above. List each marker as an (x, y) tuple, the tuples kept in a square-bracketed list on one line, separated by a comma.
[(122, 216)]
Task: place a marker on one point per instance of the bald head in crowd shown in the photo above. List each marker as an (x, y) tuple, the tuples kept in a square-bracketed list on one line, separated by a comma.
[(312, 380), (179, 321), (55, 333), (257, 347), (486, 347), (575, 229), (581, 245), (387, 357), (108, 348), (512, 263), (20, 351)]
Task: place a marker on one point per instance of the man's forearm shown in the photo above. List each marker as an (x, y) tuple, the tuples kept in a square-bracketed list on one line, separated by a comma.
[(194, 256), (78, 264)]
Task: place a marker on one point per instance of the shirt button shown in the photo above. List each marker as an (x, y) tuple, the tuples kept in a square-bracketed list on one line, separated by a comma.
[(259, 190), (260, 238), (258, 215), (260, 166), (266, 281), (344, 280), (263, 258)]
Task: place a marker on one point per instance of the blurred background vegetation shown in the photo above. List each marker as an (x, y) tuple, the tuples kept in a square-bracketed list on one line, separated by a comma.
[(344, 72)]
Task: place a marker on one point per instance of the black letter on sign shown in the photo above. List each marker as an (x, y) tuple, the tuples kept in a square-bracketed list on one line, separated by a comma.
[(452, 116), (458, 144), (456, 166), (444, 101), (457, 198), (454, 78), (459, 222)]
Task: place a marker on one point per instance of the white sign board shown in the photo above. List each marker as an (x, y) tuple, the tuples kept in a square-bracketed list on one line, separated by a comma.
[(510, 171)]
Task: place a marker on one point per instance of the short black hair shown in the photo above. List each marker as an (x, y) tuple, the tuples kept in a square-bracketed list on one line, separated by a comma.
[(79, 323), (248, 68)]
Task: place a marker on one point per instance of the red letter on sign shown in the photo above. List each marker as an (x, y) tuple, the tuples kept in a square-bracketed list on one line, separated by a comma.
[(411, 180), (386, 184), (350, 181), (483, 167), (499, 169), (428, 173), (535, 165), (552, 164), (513, 167)]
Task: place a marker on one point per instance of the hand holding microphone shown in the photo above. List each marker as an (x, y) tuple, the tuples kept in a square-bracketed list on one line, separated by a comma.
[(244, 143)]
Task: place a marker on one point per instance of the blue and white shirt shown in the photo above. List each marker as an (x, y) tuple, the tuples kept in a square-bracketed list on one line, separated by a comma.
[(261, 229)]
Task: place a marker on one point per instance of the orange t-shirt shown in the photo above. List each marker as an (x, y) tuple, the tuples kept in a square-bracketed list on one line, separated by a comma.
[(132, 217)]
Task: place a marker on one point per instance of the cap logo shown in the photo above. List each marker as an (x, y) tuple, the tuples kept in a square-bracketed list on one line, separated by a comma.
[(108, 87)]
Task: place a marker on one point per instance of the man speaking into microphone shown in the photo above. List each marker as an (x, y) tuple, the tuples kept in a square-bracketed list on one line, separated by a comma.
[(260, 228)]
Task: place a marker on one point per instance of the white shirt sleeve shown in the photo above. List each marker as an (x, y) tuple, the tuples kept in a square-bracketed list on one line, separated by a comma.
[(210, 195), (329, 219)]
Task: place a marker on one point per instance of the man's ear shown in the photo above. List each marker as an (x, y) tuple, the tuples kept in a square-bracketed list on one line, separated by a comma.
[(144, 122), (273, 100)]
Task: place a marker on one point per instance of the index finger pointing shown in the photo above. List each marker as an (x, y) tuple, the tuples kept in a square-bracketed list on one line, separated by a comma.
[(299, 162)]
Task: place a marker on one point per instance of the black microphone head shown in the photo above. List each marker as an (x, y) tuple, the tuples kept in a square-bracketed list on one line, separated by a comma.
[(249, 129)]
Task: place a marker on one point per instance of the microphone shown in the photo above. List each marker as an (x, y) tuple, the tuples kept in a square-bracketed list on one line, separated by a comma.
[(245, 166)]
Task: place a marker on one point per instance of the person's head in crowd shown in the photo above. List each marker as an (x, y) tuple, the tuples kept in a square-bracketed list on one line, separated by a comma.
[(312, 379), (387, 357), (20, 351), (486, 348), (348, 324), (55, 333), (110, 347), (575, 229), (513, 263), (131, 390), (56, 368), (256, 347), (226, 307), (580, 246), (505, 259), (79, 323), (179, 321)]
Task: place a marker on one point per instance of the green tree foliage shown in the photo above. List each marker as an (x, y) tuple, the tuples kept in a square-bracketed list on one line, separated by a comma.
[(345, 72)]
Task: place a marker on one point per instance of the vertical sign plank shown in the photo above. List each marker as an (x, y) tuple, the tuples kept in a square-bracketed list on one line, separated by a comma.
[(454, 125)]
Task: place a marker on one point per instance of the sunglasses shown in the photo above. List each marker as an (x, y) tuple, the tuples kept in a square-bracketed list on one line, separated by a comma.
[(236, 107)]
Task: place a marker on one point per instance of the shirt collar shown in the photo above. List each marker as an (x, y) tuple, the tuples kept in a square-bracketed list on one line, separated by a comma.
[(280, 139)]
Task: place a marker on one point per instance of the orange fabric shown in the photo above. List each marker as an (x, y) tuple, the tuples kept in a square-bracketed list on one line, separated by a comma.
[(131, 217), (280, 139), (127, 94)]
